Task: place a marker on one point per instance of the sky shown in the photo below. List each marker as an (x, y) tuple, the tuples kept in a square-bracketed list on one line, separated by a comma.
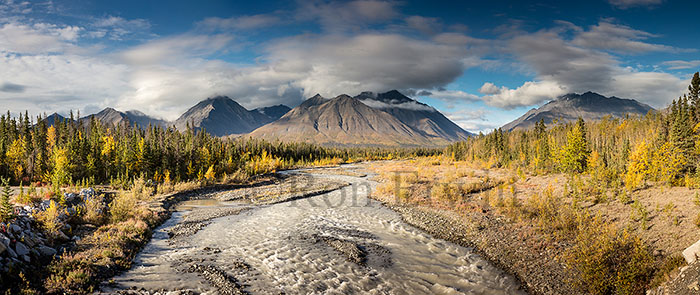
[(481, 63)]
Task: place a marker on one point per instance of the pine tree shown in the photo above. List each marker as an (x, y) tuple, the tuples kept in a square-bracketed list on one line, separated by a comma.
[(6, 210), (574, 157), (694, 95)]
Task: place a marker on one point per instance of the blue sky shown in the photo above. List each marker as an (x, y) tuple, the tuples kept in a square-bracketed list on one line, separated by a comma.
[(482, 63)]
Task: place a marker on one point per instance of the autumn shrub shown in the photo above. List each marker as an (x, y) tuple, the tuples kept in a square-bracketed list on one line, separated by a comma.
[(237, 177), (95, 210), (122, 206), (607, 261), (140, 189), (70, 274), (50, 219)]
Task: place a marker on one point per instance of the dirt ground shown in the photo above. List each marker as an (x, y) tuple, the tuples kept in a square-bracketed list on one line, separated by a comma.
[(664, 217)]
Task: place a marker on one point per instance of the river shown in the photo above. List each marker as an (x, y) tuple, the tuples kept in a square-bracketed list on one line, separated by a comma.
[(298, 247)]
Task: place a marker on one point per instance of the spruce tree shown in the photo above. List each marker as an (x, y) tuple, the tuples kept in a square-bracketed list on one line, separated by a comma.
[(575, 152), (6, 210), (694, 96)]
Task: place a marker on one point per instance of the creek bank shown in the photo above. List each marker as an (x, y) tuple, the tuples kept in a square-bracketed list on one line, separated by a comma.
[(503, 244)]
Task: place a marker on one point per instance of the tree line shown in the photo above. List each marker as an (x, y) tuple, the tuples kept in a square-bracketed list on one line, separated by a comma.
[(661, 146), (67, 151)]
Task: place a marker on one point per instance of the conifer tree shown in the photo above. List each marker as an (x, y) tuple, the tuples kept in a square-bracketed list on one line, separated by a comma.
[(6, 211), (574, 157)]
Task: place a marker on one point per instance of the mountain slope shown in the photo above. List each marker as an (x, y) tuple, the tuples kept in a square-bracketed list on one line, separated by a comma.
[(221, 116), (53, 118), (589, 106), (274, 112), (420, 116), (111, 116), (143, 120), (343, 121)]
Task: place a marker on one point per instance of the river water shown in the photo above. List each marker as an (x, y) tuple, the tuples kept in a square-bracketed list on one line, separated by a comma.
[(283, 246)]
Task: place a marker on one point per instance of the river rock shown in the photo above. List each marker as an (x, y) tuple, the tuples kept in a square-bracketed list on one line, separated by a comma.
[(26, 258), (15, 228), (46, 251), (691, 253), (13, 254), (28, 240), (21, 249), (4, 240), (2, 248)]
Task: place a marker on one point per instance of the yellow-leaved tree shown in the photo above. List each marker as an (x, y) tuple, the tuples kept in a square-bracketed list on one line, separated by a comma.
[(639, 166)]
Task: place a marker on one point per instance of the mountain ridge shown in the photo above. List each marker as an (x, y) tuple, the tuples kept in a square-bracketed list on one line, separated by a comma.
[(569, 107)]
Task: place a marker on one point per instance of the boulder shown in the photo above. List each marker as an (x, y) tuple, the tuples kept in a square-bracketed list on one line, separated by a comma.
[(21, 249), (47, 251), (691, 253)]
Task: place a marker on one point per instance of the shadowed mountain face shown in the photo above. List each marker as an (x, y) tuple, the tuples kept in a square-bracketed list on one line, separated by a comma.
[(274, 112), (222, 116), (419, 116), (589, 106), (53, 118), (344, 121), (111, 116)]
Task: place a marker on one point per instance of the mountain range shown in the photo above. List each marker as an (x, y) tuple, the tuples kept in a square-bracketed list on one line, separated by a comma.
[(367, 119), (222, 116), (589, 106)]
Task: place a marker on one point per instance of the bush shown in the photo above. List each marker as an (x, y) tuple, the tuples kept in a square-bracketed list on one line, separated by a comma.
[(50, 219), (94, 210), (121, 207), (609, 262)]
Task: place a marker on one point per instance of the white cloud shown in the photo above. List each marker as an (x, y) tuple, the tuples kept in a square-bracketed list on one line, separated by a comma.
[(336, 64), (561, 65), (61, 82), (489, 88), (117, 28), (174, 49), (454, 95), (472, 120), (39, 38), (608, 36), (682, 64), (528, 94), (624, 4)]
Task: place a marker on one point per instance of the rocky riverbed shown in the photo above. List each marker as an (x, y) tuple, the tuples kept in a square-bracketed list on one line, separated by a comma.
[(307, 233)]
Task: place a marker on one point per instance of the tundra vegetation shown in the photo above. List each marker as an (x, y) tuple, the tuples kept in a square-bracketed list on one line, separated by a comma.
[(620, 193)]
